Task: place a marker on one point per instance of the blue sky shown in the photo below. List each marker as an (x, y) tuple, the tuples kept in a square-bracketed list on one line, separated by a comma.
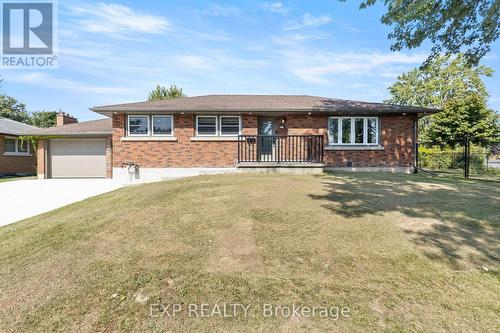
[(115, 52)]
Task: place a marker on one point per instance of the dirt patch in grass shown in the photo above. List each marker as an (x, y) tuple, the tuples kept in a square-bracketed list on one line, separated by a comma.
[(236, 250)]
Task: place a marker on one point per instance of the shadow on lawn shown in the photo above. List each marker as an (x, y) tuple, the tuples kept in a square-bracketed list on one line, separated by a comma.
[(450, 220)]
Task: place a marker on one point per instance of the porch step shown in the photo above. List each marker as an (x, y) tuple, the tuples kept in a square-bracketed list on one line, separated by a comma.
[(279, 165)]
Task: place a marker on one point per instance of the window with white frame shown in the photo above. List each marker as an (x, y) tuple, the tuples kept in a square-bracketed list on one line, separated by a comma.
[(138, 125), (16, 146), (162, 125), (230, 125), (206, 125), (218, 125), (146, 125), (353, 130)]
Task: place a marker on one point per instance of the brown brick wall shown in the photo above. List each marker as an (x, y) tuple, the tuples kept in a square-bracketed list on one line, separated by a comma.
[(396, 137), (181, 154), (109, 157), (16, 164), (41, 164)]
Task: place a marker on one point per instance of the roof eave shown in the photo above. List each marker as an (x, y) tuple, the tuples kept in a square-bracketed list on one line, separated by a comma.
[(110, 112), (67, 134)]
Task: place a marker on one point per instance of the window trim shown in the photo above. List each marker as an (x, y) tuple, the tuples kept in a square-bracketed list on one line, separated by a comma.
[(164, 116), (220, 126), (216, 125), (353, 129), (138, 115), (16, 152)]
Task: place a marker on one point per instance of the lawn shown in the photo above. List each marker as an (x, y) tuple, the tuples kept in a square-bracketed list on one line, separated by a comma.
[(401, 252)]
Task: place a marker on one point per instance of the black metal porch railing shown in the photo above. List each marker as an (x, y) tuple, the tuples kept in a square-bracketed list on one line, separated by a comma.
[(280, 148)]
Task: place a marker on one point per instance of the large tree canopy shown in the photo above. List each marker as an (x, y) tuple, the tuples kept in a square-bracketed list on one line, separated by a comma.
[(443, 79), (451, 84), (464, 117), (10, 108), (161, 93), (452, 26), (43, 118)]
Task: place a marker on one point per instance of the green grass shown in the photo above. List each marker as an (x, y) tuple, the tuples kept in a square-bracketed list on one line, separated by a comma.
[(13, 178), (492, 175), (403, 252)]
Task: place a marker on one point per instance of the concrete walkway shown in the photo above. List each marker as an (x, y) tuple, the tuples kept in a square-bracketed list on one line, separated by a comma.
[(21, 199)]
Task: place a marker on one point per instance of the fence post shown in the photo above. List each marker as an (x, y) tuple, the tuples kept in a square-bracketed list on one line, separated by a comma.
[(466, 157), (416, 158)]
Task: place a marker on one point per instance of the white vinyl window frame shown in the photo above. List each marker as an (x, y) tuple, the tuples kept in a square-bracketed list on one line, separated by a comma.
[(353, 134), (162, 116), (16, 151), (216, 125), (220, 125), (138, 116)]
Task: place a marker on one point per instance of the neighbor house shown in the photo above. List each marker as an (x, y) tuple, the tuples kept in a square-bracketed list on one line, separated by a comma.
[(233, 132), (16, 155)]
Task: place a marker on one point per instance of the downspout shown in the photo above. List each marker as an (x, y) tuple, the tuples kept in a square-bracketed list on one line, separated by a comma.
[(415, 144)]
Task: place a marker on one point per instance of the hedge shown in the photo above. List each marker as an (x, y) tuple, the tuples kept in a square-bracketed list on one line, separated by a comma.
[(439, 159)]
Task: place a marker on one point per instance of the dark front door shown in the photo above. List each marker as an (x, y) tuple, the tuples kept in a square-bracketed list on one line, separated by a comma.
[(266, 141)]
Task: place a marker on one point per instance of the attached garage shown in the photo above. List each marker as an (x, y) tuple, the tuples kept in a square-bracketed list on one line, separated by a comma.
[(77, 158), (75, 150)]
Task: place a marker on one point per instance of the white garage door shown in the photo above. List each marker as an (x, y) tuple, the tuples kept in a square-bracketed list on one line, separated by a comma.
[(78, 158)]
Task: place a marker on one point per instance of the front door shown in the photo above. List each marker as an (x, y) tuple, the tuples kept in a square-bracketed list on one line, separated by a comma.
[(266, 141)]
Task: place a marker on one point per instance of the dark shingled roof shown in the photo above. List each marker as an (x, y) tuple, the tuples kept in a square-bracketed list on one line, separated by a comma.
[(12, 127), (260, 103), (92, 128)]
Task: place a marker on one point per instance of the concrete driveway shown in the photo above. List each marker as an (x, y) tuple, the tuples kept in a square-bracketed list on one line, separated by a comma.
[(21, 199)]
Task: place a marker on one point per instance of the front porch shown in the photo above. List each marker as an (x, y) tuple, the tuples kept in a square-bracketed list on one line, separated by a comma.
[(280, 151)]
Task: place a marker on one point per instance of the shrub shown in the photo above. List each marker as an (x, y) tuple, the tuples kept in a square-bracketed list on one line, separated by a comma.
[(440, 159)]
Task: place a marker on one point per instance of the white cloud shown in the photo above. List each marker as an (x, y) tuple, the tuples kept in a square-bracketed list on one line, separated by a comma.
[(195, 62), (216, 60), (310, 21), (43, 79), (319, 67), (221, 10), (217, 36), (298, 38), (117, 20), (275, 7)]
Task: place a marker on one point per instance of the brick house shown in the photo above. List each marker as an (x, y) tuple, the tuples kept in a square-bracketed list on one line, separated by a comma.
[(233, 132), (16, 156)]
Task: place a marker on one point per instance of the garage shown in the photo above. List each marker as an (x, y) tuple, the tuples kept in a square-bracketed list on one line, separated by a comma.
[(77, 158)]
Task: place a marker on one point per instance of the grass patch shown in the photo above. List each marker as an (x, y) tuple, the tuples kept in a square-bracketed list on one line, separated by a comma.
[(403, 252)]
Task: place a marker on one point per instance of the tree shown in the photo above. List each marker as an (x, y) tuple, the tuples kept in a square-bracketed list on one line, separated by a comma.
[(444, 78), (44, 118), (161, 93), (451, 26), (447, 83), (10, 108), (462, 117)]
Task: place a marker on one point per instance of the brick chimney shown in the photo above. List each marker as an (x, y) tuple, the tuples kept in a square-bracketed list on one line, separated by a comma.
[(64, 119)]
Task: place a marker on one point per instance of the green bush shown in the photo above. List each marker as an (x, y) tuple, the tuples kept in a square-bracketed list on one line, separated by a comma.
[(442, 159)]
